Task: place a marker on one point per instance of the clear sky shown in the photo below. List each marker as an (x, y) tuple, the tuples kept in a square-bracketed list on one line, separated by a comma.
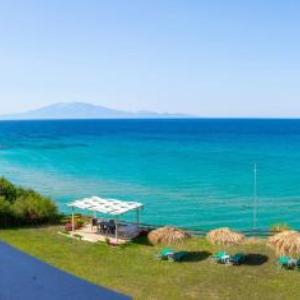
[(211, 58)]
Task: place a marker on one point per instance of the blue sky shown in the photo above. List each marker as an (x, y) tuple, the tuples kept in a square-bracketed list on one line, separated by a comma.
[(211, 58)]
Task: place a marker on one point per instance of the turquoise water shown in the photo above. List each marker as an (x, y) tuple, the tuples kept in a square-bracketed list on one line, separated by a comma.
[(192, 173)]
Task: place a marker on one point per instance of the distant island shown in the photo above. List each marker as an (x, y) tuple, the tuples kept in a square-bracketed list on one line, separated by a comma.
[(79, 110)]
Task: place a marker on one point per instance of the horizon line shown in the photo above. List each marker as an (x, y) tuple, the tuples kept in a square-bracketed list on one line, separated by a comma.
[(156, 119)]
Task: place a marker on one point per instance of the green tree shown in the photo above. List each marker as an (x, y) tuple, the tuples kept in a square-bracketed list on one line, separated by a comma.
[(24, 206), (5, 212), (7, 190)]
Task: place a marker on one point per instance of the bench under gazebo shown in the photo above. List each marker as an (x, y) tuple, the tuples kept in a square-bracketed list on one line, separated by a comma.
[(115, 229)]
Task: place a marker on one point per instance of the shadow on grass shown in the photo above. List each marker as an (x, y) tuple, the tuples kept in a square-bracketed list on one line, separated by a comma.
[(29, 226), (254, 259), (194, 256), (142, 240)]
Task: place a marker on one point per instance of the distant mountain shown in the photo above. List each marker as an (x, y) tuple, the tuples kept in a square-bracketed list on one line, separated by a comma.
[(78, 110)]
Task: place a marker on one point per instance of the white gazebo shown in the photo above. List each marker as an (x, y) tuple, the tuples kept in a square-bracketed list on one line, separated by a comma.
[(112, 207)]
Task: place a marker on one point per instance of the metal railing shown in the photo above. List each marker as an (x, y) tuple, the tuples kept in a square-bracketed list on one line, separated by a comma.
[(202, 232)]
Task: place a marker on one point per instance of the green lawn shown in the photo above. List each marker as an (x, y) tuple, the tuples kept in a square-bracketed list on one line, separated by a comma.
[(133, 270)]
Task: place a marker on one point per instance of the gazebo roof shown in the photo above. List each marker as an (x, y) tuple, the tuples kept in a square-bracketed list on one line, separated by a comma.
[(106, 206)]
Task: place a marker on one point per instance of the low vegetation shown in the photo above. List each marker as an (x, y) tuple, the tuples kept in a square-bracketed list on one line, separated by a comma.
[(280, 227), (20, 206), (133, 269)]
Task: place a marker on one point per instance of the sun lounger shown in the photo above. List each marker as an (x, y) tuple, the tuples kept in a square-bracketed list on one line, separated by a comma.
[(221, 257), (225, 258), (177, 256), (288, 263), (171, 255), (163, 255)]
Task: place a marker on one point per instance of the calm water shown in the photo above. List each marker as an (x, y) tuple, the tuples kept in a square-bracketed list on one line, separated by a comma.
[(194, 173)]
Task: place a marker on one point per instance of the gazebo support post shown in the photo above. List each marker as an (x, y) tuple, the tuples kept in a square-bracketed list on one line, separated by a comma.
[(73, 220), (116, 229), (94, 217)]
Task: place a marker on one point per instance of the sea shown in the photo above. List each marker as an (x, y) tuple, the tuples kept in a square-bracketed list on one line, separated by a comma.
[(192, 173)]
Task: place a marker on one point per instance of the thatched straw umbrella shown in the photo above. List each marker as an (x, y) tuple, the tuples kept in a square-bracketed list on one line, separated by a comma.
[(167, 235), (286, 242), (225, 236), (280, 237)]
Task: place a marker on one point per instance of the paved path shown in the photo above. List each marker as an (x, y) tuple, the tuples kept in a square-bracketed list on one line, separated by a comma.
[(23, 277)]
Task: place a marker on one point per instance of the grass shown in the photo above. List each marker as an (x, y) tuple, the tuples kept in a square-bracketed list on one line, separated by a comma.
[(133, 270)]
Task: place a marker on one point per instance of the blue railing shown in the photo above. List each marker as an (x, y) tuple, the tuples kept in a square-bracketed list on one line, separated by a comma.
[(200, 232)]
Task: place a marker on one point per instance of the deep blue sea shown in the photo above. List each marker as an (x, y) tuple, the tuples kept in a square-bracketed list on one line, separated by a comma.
[(192, 173)]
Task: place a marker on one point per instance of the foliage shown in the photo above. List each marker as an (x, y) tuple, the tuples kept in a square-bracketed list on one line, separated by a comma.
[(280, 227), (69, 227), (80, 223), (7, 190), (5, 211), (19, 206)]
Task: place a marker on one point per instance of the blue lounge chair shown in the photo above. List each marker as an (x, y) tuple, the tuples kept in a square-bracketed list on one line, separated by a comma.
[(164, 254), (171, 255), (221, 257), (177, 256), (288, 262), (225, 258)]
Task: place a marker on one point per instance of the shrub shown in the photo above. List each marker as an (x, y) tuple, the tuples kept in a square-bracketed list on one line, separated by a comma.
[(80, 223), (65, 219), (4, 206), (68, 226), (24, 206), (5, 212), (280, 227), (34, 208), (7, 190)]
